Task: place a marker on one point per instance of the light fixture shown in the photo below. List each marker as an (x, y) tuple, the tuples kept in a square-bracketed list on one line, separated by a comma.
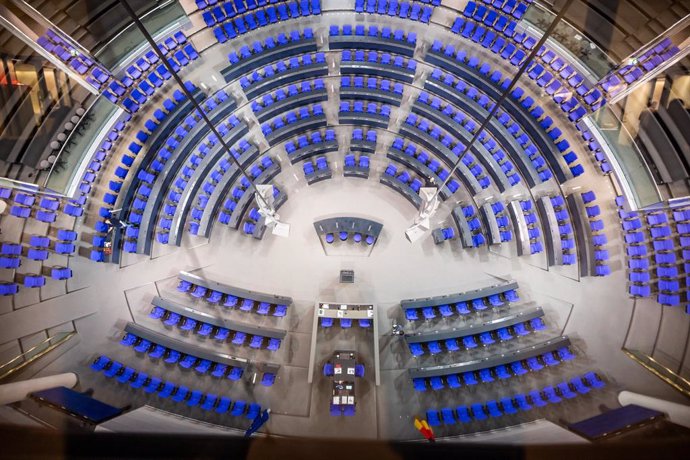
[(422, 223), (268, 212)]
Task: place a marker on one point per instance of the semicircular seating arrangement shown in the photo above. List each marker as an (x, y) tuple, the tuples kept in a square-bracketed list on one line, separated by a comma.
[(327, 103)]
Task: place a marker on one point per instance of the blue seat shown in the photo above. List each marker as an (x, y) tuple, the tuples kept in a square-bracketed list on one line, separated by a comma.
[(419, 384), (328, 369), (478, 412)]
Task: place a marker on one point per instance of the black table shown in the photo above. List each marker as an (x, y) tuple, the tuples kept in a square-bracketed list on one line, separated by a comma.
[(344, 378)]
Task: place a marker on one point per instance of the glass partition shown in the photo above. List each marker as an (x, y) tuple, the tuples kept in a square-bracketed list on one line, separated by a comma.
[(164, 17), (77, 150)]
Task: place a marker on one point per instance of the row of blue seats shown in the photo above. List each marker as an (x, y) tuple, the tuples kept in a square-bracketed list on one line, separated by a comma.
[(39, 245), (352, 162), (477, 11), (515, 47), (462, 120), (463, 308), (42, 208), (634, 69), (504, 117), (209, 187), (345, 323), (291, 117), (221, 334), (184, 175), (452, 144), (372, 83), (148, 170), (357, 238), (304, 141), (133, 92), (412, 150), (231, 23), (230, 205), (306, 86), (533, 227), (601, 255), (377, 57), (64, 50), (35, 280), (177, 393), (319, 164), (293, 69), (231, 301), (664, 250), (258, 47), (470, 214), (490, 374), (398, 35), (329, 369), (416, 11), (579, 385), (404, 176), (185, 361), (469, 342), (502, 220), (595, 148), (565, 230)]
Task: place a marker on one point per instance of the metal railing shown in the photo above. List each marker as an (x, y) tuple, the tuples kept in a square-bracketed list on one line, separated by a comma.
[(33, 354), (664, 373)]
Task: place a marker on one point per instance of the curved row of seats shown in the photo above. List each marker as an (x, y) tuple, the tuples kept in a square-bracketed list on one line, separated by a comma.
[(463, 308), (187, 180), (596, 225), (470, 342), (166, 389), (263, 52), (311, 144), (283, 72), (566, 390), (185, 361), (43, 253), (415, 10), (235, 19), (489, 374), (231, 301), (290, 97), (653, 241), (517, 45), (220, 334), (345, 323), (144, 78), (465, 126), (533, 227), (468, 74)]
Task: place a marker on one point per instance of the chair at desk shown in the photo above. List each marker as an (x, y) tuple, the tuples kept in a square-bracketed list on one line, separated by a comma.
[(326, 322), (330, 238), (328, 370), (345, 323), (364, 323), (349, 410), (359, 370), (268, 379), (336, 410)]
